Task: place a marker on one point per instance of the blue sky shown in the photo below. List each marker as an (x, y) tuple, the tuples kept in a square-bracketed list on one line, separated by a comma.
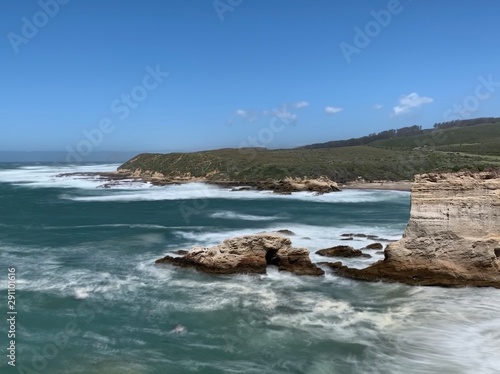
[(183, 75)]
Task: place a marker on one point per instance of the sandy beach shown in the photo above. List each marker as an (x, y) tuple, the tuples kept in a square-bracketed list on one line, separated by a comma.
[(381, 185)]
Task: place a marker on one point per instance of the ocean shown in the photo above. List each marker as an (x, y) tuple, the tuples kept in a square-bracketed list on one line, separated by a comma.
[(89, 298)]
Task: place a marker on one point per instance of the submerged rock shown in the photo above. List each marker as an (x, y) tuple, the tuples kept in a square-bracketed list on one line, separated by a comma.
[(248, 254), (452, 238), (374, 246), (286, 232), (333, 265), (351, 236), (342, 251), (181, 252)]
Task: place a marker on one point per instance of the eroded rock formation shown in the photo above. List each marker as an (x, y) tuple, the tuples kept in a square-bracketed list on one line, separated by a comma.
[(374, 246), (342, 251), (289, 185), (248, 254), (452, 238), (283, 186)]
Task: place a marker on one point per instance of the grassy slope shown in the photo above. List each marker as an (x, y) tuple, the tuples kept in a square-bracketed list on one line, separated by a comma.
[(392, 159), (481, 140)]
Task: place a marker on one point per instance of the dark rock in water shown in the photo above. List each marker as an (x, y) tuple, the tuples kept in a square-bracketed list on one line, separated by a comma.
[(384, 240), (181, 252), (374, 246), (248, 254), (347, 238), (371, 237), (342, 251), (379, 252), (286, 232), (333, 265), (278, 192), (360, 235), (306, 238)]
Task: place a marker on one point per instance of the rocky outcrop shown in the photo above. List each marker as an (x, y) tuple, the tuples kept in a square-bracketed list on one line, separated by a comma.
[(371, 237), (342, 251), (248, 254), (452, 238), (374, 246), (286, 232), (283, 186), (157, 178), (289, 185)]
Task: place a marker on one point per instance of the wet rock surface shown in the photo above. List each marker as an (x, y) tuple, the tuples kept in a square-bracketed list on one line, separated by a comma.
[(248, 254), (452, 238), (342, 251)]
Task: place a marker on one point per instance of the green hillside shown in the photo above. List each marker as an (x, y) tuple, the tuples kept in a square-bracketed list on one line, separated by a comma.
[(481, 140), (406, 132), (451, 147), (339, 164)]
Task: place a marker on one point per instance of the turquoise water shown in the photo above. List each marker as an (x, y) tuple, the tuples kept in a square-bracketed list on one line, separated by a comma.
[(90, 299)]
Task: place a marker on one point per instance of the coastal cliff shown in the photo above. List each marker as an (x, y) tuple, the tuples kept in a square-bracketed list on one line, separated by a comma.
[(452, 238)]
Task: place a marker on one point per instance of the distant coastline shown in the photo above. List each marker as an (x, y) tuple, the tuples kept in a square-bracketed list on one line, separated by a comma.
[(286, 186)]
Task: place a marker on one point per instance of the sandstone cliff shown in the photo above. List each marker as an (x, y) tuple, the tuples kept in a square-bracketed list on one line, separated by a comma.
[(452, 238), (248, 254)]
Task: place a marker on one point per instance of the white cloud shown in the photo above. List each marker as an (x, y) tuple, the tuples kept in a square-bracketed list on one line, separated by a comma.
[(378, 106), (286, 116), (332, 110), (301, 104), (246, 115), (282, 114), (406, 103)]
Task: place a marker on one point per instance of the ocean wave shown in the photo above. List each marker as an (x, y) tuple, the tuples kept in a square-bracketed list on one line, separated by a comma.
[(456, 331), (108, 225), (305, 236), (400, 328), (226, 214), (44, 176), (201, 191)]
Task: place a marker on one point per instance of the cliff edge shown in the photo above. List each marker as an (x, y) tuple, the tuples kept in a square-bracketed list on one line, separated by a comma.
[(452, 238)]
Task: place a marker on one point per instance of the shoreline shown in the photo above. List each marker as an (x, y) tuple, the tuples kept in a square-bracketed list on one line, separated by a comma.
[(112, 178), (382, 185)]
